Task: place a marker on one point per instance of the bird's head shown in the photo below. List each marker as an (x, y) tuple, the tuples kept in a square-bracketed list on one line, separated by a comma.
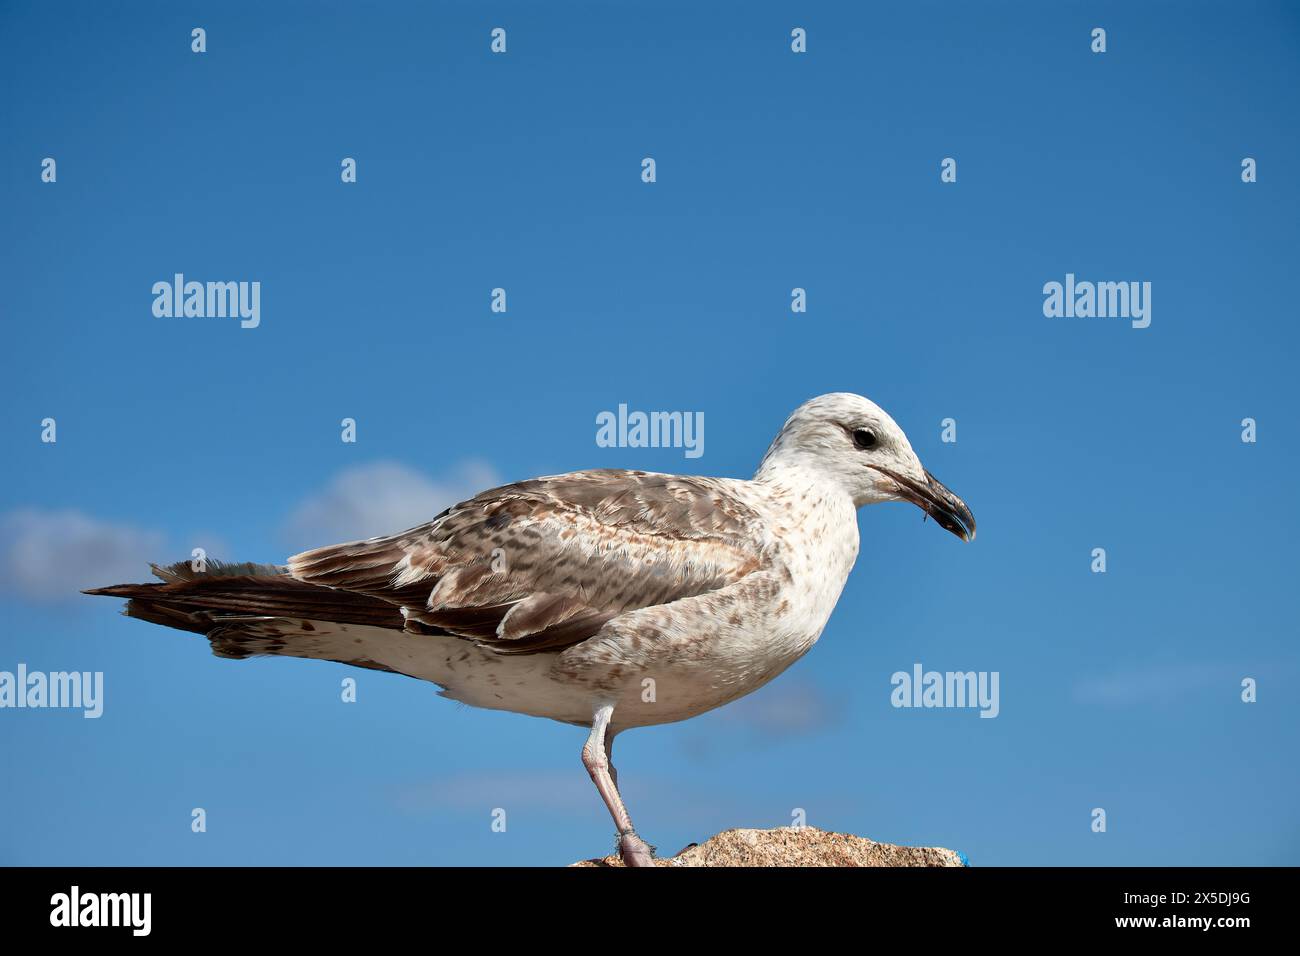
[(852, 442)]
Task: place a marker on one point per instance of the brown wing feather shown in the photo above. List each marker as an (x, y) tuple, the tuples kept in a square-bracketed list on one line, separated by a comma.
[(543, 564)]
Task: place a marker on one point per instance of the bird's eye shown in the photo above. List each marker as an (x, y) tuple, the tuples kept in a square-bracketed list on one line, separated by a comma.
[(864, 438)]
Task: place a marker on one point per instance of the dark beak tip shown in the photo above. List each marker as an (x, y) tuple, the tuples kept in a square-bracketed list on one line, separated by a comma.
[(956, 515), (936, 501)]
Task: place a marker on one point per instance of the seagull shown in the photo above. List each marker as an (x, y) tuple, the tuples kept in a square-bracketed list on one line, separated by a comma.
[(607, 599)]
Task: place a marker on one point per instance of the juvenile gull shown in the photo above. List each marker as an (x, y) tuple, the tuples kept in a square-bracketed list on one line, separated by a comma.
[(573, 597)]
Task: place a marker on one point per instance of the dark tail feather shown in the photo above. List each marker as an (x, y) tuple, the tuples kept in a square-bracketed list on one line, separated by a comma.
[(156, 613), (199, 601)]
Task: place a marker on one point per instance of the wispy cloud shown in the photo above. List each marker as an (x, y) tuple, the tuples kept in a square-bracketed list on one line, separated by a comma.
[(787, 708), (51, 555), (569, 791), (784, 708), (381, 498), (1158, 683)]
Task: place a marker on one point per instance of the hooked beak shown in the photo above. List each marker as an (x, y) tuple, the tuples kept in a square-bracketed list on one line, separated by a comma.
[(932, 497)]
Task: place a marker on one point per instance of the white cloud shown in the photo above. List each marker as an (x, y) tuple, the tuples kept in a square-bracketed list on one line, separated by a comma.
[(792, 707), (1156, 683), (52, 555), (381, 498), (787, 709), (561, 791), (554, 790)]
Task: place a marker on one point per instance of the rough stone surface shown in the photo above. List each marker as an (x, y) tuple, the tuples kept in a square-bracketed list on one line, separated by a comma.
[(797, 846)]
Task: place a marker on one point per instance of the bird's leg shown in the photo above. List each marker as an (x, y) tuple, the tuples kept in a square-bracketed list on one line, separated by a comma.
[(613, 775), (595, 757), (609, 758)]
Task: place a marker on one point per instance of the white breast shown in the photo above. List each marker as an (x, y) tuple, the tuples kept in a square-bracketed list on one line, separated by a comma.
[(700, 653)]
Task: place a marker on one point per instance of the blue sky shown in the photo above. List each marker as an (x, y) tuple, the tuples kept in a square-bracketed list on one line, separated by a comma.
[(774, 171)]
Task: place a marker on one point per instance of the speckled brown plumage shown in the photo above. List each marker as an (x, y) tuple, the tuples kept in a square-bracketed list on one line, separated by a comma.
[(544, 564)]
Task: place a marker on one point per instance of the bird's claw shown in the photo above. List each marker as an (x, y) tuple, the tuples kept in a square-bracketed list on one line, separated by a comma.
[(635, 851)]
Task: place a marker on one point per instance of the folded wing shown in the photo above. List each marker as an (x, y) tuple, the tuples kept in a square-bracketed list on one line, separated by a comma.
[(544, 564)]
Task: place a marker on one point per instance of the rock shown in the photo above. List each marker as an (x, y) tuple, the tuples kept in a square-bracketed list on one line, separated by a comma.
[(797, 846)]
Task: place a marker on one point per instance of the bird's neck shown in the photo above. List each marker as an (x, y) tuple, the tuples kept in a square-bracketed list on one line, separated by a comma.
[(814, 503), (795, 480), (815, 522)]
